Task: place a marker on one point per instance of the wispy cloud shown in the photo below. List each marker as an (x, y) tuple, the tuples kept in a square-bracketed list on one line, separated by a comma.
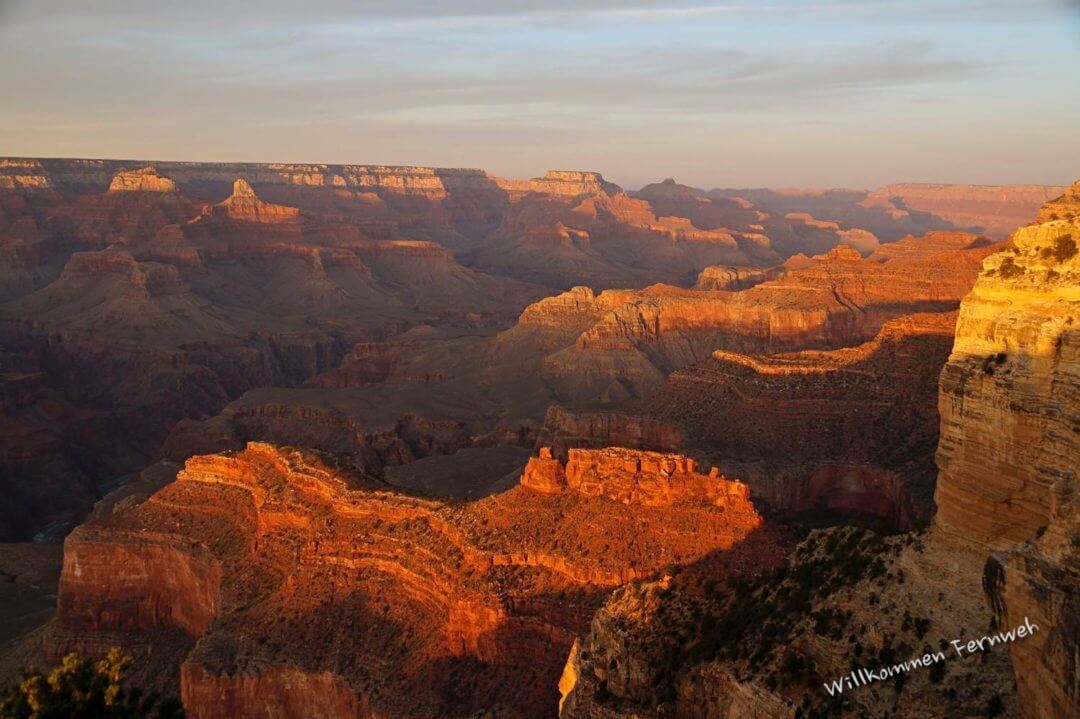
[(504, 83)]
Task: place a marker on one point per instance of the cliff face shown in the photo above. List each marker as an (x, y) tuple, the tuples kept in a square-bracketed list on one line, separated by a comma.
[(310, 586), (146, 179), (848, 432), (632, 339), (1009, 391), (1009, 448), (718, 277), (1039, 581), (633, 477)]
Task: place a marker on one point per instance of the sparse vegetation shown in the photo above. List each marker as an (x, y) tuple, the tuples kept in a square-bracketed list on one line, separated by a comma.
[(82, 688), (1064, 248), (1009, 269)]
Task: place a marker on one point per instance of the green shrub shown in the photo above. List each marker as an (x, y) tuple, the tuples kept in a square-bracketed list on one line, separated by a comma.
[(82, 687)]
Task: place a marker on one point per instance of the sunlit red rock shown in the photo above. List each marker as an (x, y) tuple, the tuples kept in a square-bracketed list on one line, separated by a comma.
[(268, 554), (146, 179)]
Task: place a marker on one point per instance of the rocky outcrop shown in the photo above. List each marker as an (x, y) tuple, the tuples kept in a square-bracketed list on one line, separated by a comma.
[(634, 477), (1009, 445), (308, 585), (1008, 393), (22, 174), (768, 645), (244, 205), (733, 279), (146, 179), (1065, 207), (562, 183)]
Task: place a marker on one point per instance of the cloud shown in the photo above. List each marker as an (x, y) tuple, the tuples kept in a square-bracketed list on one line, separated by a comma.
[(481, 82)]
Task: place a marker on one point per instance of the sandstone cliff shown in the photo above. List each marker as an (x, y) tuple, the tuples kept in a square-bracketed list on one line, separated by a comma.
[(243, 204), (146, 179), (1008, 393), (304, 583), (1009, 448)]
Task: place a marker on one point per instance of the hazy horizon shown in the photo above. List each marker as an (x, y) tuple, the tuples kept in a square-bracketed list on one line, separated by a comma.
[(535, 175), (712, 94)]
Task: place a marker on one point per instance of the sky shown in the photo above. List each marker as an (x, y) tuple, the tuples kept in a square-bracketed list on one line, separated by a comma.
[(779, 93)]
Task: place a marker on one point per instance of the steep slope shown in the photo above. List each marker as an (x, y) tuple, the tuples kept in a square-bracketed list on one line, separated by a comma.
[(848, 433), (264, 556), (1010, 398), (138, 307), (837, 300), (907, 608), (1009, 392)]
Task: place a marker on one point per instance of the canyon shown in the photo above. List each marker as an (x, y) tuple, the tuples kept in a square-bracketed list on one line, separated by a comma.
[(1005, 523), (263, 556), (365, 441)]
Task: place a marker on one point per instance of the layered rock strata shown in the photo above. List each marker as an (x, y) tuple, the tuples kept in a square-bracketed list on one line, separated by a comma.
[(265, 556), (847, 433), (1008, 454), (1009, 394), (994, 210), (633, 477), (633, 339), (146, 179)]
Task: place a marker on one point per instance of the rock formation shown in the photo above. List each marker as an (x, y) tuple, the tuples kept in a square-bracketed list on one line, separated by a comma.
[(633, 477), (733, 279), (244, 205), (996, 211), (1008, 391), (268, 554), (845, 599), (836, 300), (1065, 207), (22, 174), (146, 179), (1009, 447), (846, 432)]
